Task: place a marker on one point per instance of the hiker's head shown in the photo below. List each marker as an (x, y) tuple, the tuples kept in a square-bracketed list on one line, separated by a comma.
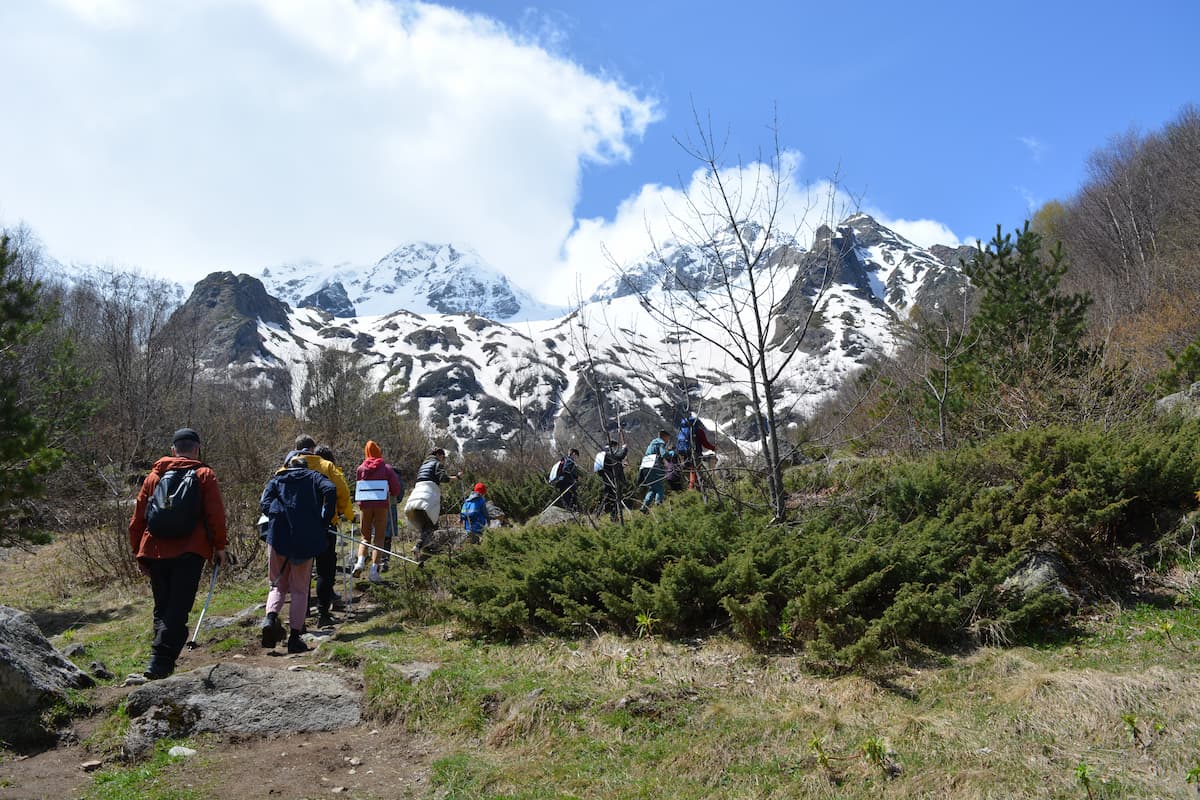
[(325, 452), (186, 443), (613, 443), (574, 452), (371, 450), (438, 453), (305, 442), (663, 435), (480, 488)]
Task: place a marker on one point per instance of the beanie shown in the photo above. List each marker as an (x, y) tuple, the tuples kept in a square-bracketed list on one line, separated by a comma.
[(480, 488), (372, 450), (185, 434)]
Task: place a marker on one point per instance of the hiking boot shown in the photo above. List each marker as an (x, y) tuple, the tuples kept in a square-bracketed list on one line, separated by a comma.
[(373, 576), (296, 644), (324, 620), (272, 632), (358, 566), (383, 565)]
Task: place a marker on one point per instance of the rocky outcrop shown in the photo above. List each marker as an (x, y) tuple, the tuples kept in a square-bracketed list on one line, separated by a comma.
[(33, 676), (331, 298), (226, 698)]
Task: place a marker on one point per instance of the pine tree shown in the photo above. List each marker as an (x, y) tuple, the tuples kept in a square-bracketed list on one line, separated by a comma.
[(25, 455), (1028, 335)]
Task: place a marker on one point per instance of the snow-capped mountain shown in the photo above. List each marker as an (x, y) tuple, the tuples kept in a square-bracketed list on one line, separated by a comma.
[(419, 277), (481, 381)]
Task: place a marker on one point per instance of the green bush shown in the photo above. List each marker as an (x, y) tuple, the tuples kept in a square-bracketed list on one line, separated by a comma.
[(893, 556)]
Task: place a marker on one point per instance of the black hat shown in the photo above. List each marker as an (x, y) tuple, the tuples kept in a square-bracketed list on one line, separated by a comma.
[(184, 435)]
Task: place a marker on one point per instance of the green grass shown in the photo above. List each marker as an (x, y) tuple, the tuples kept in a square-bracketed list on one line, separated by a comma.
[(148, 780)]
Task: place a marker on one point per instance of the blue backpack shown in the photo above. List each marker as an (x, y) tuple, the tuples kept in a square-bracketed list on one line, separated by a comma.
[(683, 442)]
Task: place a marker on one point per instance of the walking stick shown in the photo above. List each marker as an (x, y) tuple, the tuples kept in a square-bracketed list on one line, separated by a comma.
[(211, 585), (380, 549)]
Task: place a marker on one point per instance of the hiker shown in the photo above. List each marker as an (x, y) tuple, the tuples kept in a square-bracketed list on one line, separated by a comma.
[(425, 501), (172, 540), (653, 473), (474, 513), (566, 480), (300, 504), (672, 476), (690, 443), (612, 475), (393, 522), (374, 512), (325, 565)]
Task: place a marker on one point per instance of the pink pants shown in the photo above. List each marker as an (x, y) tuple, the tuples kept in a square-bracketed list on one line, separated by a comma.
[(290, 579)]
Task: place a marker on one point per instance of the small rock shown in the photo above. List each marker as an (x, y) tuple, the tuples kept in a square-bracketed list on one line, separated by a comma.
[(99, 671), (74, 649), (91, 766), (297, 667), (339, 789), (179, 751), (136, 679), (239, 655), (356, 762)]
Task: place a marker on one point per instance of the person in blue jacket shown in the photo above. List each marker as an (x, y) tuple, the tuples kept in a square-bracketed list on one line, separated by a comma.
[(300, 504), (474, 514), (653, 473)]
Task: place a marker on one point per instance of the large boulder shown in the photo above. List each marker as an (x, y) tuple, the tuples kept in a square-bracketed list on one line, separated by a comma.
[(1186, 402), (230, 698), (33, 677)]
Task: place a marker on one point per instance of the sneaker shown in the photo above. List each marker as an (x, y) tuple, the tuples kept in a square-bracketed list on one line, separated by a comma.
[(373, 576), (358, 566), (383, 566), (325, 620), (296, 644), (272, 632)]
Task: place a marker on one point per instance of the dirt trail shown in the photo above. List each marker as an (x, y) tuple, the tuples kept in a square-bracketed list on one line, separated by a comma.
[(366, 761)]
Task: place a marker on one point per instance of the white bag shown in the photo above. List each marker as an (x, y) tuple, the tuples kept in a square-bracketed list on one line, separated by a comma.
[(598, 463), (649, 461)]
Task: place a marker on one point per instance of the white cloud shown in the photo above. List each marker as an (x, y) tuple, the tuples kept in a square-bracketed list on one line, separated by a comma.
[(1037, 148), (236, 134), (598, 246)]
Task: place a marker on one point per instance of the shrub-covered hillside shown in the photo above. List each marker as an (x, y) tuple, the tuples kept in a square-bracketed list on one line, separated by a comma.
[(884, 557)]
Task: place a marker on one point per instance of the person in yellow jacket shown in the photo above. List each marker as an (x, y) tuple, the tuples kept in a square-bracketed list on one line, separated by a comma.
[(321, 460)]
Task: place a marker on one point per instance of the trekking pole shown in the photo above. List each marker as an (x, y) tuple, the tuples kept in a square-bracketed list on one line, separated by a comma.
[(348, 567), (555, 500), (211, 585), (380, 549)]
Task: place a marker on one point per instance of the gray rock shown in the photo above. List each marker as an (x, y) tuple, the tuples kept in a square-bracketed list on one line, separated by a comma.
[(416, 671), (1038, 572), (557, 516), (1186, 402), (232, 698), (33, 676)]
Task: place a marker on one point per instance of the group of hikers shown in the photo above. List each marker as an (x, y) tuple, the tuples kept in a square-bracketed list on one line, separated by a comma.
[(179, 522)]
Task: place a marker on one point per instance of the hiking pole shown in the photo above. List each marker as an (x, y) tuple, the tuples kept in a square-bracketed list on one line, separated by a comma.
[(211, 585), (380, 549)]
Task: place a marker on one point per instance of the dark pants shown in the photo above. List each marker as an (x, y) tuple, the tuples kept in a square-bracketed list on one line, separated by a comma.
[(174, 582), (614, 491), (325, 566), (570, 497)]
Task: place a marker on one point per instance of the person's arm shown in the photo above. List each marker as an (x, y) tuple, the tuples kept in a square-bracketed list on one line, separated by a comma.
[(214, 514), (137, 524)]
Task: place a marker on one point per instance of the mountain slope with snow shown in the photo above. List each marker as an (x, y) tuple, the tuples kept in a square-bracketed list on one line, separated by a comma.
[(419, 277), (481, 380)]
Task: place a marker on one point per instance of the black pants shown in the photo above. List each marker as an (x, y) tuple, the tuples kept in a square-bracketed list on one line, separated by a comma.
[(570, 498), (174, 582), (325, 567), (614, 492)]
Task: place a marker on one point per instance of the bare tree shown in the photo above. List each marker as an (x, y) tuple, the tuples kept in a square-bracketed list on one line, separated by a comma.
[(748, 301)]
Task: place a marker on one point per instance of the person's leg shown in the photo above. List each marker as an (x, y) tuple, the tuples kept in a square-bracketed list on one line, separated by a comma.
[(658, 490), (272, 631), (296, 579), (178, 580), (326, 568), (375, 530)]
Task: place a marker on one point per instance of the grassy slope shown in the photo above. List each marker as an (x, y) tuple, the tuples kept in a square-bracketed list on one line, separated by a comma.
[(615, 718)]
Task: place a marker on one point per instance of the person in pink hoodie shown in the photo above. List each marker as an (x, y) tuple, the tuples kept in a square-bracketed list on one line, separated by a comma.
[(374, 512)]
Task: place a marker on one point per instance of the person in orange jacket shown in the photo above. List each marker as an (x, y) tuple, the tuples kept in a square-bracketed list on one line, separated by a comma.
[(171, 551)]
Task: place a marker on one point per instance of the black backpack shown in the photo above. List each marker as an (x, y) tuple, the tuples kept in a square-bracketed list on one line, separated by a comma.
[(174, 507)]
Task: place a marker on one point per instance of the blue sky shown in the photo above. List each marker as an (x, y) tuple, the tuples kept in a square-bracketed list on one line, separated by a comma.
[(181, 138)]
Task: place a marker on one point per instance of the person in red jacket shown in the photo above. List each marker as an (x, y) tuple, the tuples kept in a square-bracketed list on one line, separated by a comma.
[(375, 512), (174, 564)]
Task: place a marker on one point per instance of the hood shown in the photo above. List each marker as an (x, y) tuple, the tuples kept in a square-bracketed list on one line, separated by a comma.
[(372, 463), (167, 463)]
